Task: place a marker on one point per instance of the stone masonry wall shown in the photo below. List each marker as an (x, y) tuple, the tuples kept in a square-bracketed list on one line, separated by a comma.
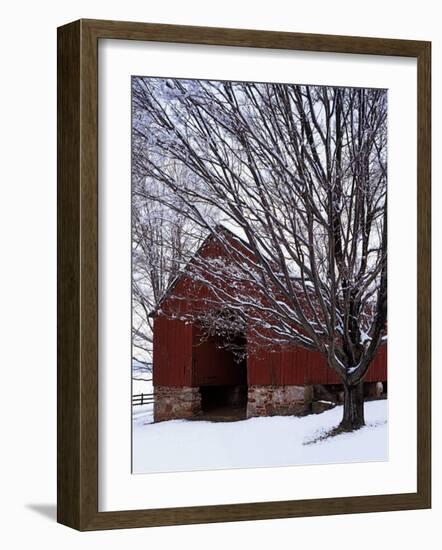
[(275, 400), (172, 402)]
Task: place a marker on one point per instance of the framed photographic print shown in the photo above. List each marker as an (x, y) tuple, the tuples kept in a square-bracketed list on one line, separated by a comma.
[(241, 334)]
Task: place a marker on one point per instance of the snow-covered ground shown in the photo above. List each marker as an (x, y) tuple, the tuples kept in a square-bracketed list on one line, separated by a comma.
[(185, 445)]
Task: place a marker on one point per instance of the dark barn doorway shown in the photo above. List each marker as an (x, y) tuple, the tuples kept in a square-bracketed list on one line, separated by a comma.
[(224, 401), (220, 371)]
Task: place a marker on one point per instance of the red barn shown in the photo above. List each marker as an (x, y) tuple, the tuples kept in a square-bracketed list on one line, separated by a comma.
[(194, 375)]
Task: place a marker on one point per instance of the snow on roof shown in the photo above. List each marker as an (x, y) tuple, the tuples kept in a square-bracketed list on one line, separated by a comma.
[(234, 229)]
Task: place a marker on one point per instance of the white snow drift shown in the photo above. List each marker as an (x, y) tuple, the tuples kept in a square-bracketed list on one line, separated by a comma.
[(185, 445)]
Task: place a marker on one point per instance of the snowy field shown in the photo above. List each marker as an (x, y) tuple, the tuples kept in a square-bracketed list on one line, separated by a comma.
[(185, 445)]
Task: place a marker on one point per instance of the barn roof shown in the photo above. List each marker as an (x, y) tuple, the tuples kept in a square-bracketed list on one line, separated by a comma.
[(219, 228)]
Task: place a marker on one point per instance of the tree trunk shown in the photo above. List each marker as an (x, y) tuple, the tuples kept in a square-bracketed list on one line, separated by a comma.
[(353, 418)]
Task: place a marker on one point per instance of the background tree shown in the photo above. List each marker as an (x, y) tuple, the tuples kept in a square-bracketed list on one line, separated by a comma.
[(163, 239), (299, 172)]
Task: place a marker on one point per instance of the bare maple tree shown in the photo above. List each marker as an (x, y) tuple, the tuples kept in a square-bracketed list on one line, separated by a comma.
[(298, 173)]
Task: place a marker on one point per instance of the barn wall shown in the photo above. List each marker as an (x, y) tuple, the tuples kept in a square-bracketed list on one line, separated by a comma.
[(172, 352), (378, 369), (174, 356), (297, 366), (179, 360)]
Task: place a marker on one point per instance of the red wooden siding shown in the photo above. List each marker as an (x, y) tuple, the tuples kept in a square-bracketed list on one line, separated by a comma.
[(297, 366), (172, 352)]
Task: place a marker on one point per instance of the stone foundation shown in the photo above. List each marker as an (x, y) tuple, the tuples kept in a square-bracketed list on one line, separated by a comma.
[(275, 400), (373, 390), (335, 393), (172, 402)]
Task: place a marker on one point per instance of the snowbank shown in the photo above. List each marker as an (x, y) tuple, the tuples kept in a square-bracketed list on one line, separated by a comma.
[(185, 445)]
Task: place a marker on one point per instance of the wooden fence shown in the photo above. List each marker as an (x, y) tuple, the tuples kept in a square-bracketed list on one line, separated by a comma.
[(142, 399)]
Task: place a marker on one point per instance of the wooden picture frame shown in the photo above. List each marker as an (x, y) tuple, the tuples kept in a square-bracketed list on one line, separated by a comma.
[(77, 461)]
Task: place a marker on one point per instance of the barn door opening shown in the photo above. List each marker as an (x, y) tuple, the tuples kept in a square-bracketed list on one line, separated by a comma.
[(220, 371), (224, 402)]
